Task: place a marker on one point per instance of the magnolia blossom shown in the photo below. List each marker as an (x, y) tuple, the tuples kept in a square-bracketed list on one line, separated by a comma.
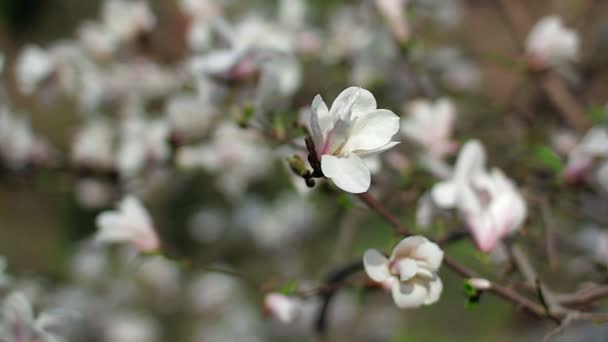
[(97, 39), (410, 273), (550, 43), (202, 13), (394, 12), (19, 324), (93, 145), (130, 223), (190, 115), (283, 308), (430, 125), (489, 202), (251, 42), (593, 146), (237, 156), (351, 130), (127, 326), (126, 19), (34, 65), (18, 144), (142, 141)]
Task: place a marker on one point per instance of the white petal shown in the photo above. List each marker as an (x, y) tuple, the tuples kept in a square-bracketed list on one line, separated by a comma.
[(411, 294), (351, 102), (349, 173), (444, 194), (430, 253), (407, 246), (407, 269), (373, 130), (376, 265), (435, 289), (471, 161), (372, 153), (320, 121), (133, 209)]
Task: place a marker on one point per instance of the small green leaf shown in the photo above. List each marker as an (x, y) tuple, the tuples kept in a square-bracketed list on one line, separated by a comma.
[(289, 288), (473, 295), (549, 158)]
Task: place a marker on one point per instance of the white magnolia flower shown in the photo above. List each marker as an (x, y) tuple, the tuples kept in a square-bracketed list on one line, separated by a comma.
[(126, 326), (203, 13), (130, 223), (18, 145), (430, 125), (93, 145), (410, 273), (394, 12), (593, 146), (489, 202), (34, 65), (351, 130), (97, 39), (190, 115), (237, 156), (142, 141), (19, 323), (550, 43), (281, 307), (126, 19), (204, 9)]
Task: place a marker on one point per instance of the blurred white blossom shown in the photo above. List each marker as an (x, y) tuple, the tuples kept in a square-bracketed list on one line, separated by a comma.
[(430, 124), (130, 223), (19, 322), (34, 65), (550, 43), (128, 18), (489, 202), (281, 307)]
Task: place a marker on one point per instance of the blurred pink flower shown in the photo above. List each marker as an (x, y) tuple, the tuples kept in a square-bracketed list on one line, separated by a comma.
[(131, 223), (550, 43)]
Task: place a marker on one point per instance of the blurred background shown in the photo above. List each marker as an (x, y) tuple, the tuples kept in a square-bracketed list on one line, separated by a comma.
[(263, 227)]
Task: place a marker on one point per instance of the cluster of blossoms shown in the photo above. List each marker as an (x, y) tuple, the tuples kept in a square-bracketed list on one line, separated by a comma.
[(221, 112)]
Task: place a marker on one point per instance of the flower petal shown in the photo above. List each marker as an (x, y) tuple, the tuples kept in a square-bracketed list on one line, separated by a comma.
[(444, 194), (430, 253), (435, 289), (348, 173), (407, 246), (373, 130), (407, 269), (411, 294), (320, 121), (376, 265), (352, 102), (471, 161)]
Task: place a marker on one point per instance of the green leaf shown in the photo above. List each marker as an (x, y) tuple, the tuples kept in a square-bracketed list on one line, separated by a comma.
[(289, 288), (473, 295), (550, 159)]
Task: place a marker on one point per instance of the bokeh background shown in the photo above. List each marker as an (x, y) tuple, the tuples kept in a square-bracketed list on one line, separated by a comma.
[(42, 223)]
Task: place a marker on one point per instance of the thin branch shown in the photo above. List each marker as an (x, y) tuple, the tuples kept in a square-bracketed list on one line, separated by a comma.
[(334, 277)]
